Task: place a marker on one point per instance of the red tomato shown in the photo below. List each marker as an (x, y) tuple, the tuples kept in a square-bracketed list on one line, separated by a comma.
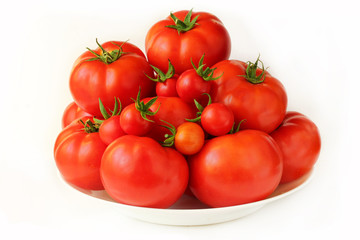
[(71, 113), (133, 123), (110, 129), (204, 34), (139, 171), (262, 105), (217, 119), (235, 169), (189, 138), (167, 88), (300, 143), (93, 78), (78, 158), (172, 110)]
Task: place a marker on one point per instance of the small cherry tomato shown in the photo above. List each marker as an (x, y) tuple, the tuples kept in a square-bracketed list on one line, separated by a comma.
[(189, 138), (217, 119), (165, 82), (110, 129)]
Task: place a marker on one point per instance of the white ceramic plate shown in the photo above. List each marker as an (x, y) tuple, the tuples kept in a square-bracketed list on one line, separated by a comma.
[(188, 211)]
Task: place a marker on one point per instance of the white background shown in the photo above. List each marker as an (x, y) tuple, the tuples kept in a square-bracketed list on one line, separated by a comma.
[(312, 47)]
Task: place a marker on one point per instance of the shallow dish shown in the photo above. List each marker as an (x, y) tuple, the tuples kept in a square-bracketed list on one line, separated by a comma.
[(188, 211)]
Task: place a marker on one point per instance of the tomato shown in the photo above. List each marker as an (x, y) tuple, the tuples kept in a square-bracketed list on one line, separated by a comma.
[(139, 171), (172, 110), (202, 33), (300, 143), (217, 119), (78, 158), (194, 83), (261, 100), (117, 70), (236, 169), (110, 129), (189, 138), (134, 118), (165, 82), (71, 113)]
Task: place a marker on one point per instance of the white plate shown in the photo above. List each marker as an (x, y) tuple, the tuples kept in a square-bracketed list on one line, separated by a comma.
[(188, 211)]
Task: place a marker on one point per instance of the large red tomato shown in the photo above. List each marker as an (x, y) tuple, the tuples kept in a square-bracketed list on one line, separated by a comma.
[(115, 69), (259, 99), (186, 35), (235, 169), (78, 155), (139, 171), (300, 143)]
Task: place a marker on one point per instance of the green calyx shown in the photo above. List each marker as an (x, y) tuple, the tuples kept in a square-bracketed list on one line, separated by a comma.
[(90, 127), (183, 26), (251, 72), (237, 129), (169, 138), (144, 108), (206, 74), (106, 115), (105, 56), (200, 108), (160, 75)]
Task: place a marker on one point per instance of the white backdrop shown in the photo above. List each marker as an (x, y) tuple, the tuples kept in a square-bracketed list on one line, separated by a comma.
[(312, 47)]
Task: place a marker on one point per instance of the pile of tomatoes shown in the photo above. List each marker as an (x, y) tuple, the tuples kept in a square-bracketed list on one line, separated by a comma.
[(182, 119)]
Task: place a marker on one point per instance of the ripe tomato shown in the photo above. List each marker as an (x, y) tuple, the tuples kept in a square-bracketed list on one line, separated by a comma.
[(202, 33), (261, 101), (165, 82), (194, 83), (300, 143), (172, 110), (217, 119), (189, 138), (235, 169), (78, 158), (117, 71), (110, 129), (71, 113), (139, 171)]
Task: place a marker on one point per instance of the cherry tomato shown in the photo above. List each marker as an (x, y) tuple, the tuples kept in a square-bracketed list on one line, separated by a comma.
[(115, 69), (300, 143), (71, 113), (217, 119), (165, 82), (259, 99), (236, 169), (186, 35), (139, 171), (189, 138)]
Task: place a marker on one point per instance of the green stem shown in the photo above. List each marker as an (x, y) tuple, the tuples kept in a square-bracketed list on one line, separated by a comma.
[(183, 26)]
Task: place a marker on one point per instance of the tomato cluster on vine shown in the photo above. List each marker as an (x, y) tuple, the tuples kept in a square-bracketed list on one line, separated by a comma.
[(181, 117)]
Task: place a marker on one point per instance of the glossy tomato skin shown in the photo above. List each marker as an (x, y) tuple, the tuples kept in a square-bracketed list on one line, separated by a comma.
[(262, 105), (71, 113), (78, 159), (236, 169), (208, 37), (190, 86), (217, 119), (139, 171), (167, 88), (133, 123), (189, 138), (91, 80), (172, 110), (299, 140), (110, 129)]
